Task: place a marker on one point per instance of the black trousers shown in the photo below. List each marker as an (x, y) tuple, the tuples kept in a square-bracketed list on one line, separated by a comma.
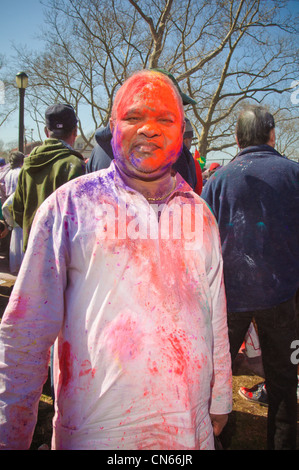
[(277, 329)]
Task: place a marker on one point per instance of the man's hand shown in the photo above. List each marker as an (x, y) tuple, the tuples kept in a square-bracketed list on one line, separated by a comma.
[(218, 423)]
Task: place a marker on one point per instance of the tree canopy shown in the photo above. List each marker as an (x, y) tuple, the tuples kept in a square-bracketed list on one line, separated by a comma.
[(223, 53)]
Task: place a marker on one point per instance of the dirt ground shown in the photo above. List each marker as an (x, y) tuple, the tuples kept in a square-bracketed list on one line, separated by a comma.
[(246, 428)]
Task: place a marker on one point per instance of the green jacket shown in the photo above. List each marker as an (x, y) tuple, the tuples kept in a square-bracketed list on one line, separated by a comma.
[(46, 168)]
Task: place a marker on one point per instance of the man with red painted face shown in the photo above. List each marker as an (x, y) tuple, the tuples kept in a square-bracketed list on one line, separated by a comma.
[(130, 290), (102, 154)]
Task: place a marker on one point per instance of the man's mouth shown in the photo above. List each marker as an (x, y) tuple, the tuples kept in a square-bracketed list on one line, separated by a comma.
[(146, 147)]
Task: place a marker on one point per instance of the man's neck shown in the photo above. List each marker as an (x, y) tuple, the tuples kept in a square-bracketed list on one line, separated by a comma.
[(67, 144), (156, 190)]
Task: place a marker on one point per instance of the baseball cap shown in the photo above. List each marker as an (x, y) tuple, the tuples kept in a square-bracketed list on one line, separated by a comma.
[(185, 98), (60, 117), (213, 166), (188, 130)]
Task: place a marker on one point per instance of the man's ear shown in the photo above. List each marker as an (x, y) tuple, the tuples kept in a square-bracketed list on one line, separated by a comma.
[(111, 123), (271, 140), (237, 141), (46, 131)]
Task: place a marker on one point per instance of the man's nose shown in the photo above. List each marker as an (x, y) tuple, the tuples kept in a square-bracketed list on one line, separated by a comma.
[(149, 129)]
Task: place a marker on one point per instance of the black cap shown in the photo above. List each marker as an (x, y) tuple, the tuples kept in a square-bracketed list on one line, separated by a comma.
[(61, 117), (185, 98)]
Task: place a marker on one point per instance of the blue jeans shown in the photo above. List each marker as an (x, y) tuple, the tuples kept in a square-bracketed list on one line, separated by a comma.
[(277, 329)]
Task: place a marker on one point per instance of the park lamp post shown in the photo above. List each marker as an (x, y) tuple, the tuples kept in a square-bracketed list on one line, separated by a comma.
[(22, 82)]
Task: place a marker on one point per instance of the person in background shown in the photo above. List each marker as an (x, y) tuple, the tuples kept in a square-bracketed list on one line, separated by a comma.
[(207, 173), (141, 355), (5, 233), (4, 169), (255, 201), (188, 137), (16, 160), (48, 166), (188, 134)]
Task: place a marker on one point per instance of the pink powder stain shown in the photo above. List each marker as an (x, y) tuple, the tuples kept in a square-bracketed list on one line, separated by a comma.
[(18, 306), (65, 363), (178, 359), (180, 354), (87, 369), (66, 227), (152, 367), (125, 338)]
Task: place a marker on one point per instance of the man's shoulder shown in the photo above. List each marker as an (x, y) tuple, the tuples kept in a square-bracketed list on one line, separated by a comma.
[(70, 154), (260, 153), (87, 184)]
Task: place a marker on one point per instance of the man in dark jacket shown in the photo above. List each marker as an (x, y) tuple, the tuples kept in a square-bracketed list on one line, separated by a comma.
[(48, 166), (255, 199), (102, 154)]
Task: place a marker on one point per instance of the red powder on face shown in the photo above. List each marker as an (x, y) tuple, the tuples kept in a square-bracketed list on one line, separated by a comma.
[(148, 120)]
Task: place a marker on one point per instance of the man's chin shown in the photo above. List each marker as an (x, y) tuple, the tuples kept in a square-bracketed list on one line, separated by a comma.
[(149, 165), (144, 168), (150, 172)]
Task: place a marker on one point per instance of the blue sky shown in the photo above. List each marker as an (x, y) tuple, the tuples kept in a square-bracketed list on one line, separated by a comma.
[(20, 23)]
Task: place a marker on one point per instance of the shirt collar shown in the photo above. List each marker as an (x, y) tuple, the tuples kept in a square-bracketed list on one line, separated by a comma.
[(181, 185)]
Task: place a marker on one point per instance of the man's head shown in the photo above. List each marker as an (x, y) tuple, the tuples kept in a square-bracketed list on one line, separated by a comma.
[(147, 125), (255, 126), (16, 159), (61, 122)]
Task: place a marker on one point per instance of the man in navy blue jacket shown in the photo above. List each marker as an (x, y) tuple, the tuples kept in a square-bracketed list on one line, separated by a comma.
[(255, 199)]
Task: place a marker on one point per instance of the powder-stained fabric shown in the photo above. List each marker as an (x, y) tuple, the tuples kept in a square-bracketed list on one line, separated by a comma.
[(141, 356)]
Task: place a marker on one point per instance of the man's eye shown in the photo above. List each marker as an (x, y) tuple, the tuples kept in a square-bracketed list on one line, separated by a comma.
[(166, 120), (132, 118)]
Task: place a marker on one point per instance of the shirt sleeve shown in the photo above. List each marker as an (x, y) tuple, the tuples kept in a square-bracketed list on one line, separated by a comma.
[(18, 202), (221, 401), (29, 327)]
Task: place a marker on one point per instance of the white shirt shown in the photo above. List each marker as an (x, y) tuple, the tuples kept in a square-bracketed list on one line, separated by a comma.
[(11, 181), (142, 355)]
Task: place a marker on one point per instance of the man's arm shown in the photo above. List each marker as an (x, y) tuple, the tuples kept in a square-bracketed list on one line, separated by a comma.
[(221, 400), (218, 423), (18, 201), (29, 327)]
